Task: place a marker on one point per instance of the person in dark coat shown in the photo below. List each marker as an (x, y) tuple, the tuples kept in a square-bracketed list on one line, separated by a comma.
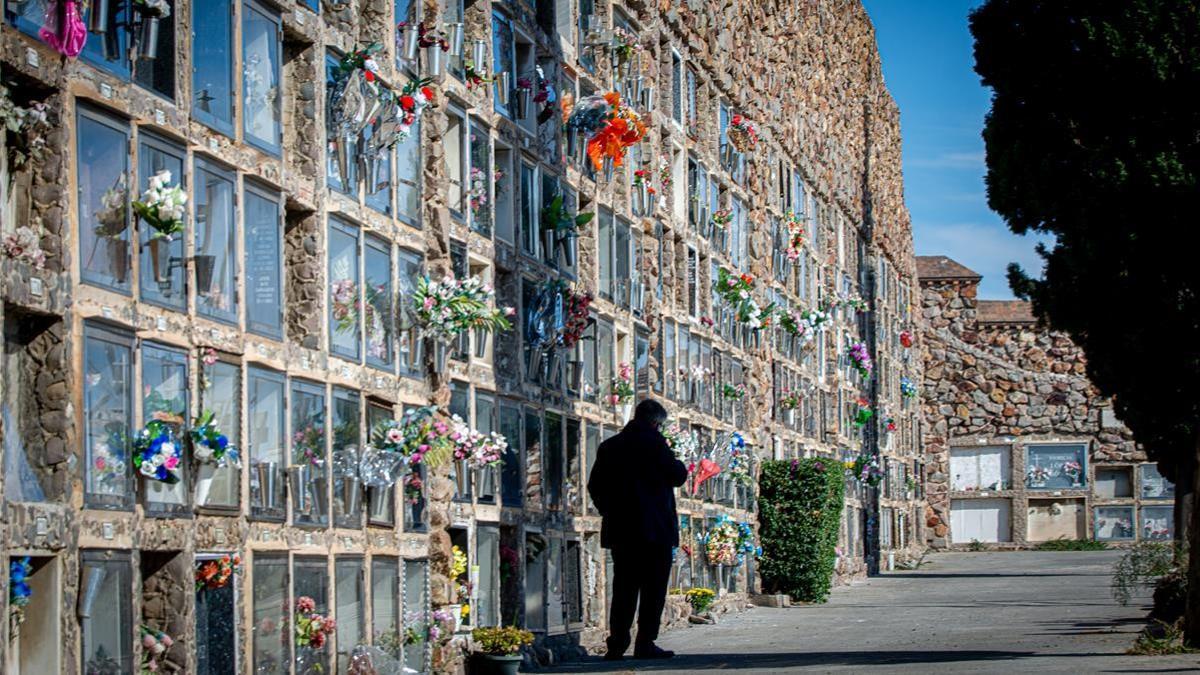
[(632, 485)]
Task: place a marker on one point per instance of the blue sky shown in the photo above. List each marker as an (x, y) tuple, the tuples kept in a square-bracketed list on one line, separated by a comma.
[(927, 62)]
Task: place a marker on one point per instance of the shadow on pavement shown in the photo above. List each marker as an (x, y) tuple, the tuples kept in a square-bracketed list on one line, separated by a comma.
[(595, 664), (986, 575)]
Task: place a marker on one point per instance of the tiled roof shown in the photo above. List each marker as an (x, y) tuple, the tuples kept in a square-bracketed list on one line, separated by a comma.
[(1004, 311), (941, 267)]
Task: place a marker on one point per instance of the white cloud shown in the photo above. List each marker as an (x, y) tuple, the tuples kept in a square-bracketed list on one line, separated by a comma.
[(985, 248), (948, 160)]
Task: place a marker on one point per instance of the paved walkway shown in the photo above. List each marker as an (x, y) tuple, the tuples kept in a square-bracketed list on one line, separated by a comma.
[(960, 613)]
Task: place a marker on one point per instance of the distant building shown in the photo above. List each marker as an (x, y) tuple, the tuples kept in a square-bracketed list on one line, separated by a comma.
[(1020, 447)]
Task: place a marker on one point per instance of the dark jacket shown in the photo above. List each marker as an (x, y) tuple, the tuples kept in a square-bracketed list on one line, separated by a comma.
[(632, 485)]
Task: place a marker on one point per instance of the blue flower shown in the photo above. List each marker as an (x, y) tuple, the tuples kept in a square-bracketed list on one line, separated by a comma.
[(222, 441)]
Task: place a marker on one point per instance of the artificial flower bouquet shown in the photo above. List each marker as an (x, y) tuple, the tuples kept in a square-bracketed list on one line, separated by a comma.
[(312, 629), (906, 339), (721, 542), (683, 442), (209, 445), (721, 218), (156, 453), (621, 391), (1038, 475), (790, 399), (866, 470), (448, 307), (308, 444), (795, 231), (742, 133), (577, 311), (1073, 471), (860, 359), (217, 573), (155, 643), (162, 206), (863, 413), (477, 449), (19, 592), (733, 392), (737, 291), (907, 388), (419, 434)]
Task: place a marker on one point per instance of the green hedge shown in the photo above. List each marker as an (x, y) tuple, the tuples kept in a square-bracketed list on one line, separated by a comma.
[(799, 512)]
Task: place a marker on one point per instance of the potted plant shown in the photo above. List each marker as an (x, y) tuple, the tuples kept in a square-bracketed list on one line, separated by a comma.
[(500, 648), (558, 227)]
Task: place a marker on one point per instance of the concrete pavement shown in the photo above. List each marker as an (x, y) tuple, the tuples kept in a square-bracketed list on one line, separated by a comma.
[(1002, 612)]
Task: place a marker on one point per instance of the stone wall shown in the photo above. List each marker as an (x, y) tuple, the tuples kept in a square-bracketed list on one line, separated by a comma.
[(993, 376)]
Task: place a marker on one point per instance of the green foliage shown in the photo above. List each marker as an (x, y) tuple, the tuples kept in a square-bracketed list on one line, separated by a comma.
[(976, 546), (502, 640), (701, 599), (800, 510), (1114, 181), (1064, 544), (1142, 566), (556, 217), (1160, 639)]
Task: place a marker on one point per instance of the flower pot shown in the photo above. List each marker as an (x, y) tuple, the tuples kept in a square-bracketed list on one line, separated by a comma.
[(454, 33), (574, 375), (524, 94), (478, 54), (160, 259), (379, 504), (435, 65), (350, 492), (99, 17), (267, 474), (409, 43), (118, 256), (147, 37), (499, 664), (205, 266), (626, 412)]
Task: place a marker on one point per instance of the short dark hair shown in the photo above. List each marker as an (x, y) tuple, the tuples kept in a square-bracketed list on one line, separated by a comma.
[(650, 412)]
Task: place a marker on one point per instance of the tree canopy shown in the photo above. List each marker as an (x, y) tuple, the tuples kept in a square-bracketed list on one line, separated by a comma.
[(1094, 137)]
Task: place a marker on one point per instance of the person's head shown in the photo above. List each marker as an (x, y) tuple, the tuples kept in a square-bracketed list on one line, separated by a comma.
[(650, 412)]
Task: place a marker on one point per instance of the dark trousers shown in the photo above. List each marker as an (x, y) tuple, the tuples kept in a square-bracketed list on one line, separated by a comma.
[(640, 576)]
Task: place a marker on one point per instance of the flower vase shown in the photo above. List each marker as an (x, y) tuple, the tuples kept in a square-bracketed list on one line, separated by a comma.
[(626, 411), (503, 87), (440, 350), (410, 40), (534, 369), (118, 256), (160, 260), (499, 664), (350, 492), (572, 142), (205, 266), (341, 155), (567, 242), (648, 97), (98, 17), (94, 575), (455, 33), (379, 503), (607, 165), (789, 416), (524, 94), (147, 37), (478, 53), (370, 165), (435, 66), (549, 242), (204, 480), (267, 475)]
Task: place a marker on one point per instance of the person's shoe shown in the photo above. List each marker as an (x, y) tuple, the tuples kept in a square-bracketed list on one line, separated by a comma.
[(652, 651), (611, 655)]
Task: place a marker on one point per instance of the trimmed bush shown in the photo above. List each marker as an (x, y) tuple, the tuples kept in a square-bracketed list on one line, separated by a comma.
[(799, 513)]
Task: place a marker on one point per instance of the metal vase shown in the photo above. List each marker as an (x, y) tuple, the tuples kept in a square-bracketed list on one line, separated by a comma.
[(160, 259), (379, 503), (267, 474), (608, 168), (370, 164), (440, 351), (455, 38), (572, 142), (299, 483), (503, 87), (524, 95), (410, 43), (534, 364), (147, 37), (549, 241), (648, 97), (350, 492), (435, 65), (481, 341), (205, 266), (99, 17), (478, 54), (568, 249)]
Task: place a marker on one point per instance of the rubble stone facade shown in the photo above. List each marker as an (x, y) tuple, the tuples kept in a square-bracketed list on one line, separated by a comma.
[(274, 310), (1020, 446)]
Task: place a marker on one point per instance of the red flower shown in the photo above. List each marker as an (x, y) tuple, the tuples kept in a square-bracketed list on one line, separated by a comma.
[(428, 93), (737, 120), (407, 102), (369, 75)]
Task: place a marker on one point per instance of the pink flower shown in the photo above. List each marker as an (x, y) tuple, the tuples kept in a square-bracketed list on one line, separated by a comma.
[(171, 463), (148, 641), (167, 641), (510, 311), (100, 463), (394, 435), (428, 304), (305, 604)]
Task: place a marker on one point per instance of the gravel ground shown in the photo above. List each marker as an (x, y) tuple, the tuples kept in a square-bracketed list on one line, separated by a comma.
[(1010, 612)]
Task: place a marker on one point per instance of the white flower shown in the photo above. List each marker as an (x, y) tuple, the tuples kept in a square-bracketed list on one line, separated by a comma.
[(203, 452), (148, 469)]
